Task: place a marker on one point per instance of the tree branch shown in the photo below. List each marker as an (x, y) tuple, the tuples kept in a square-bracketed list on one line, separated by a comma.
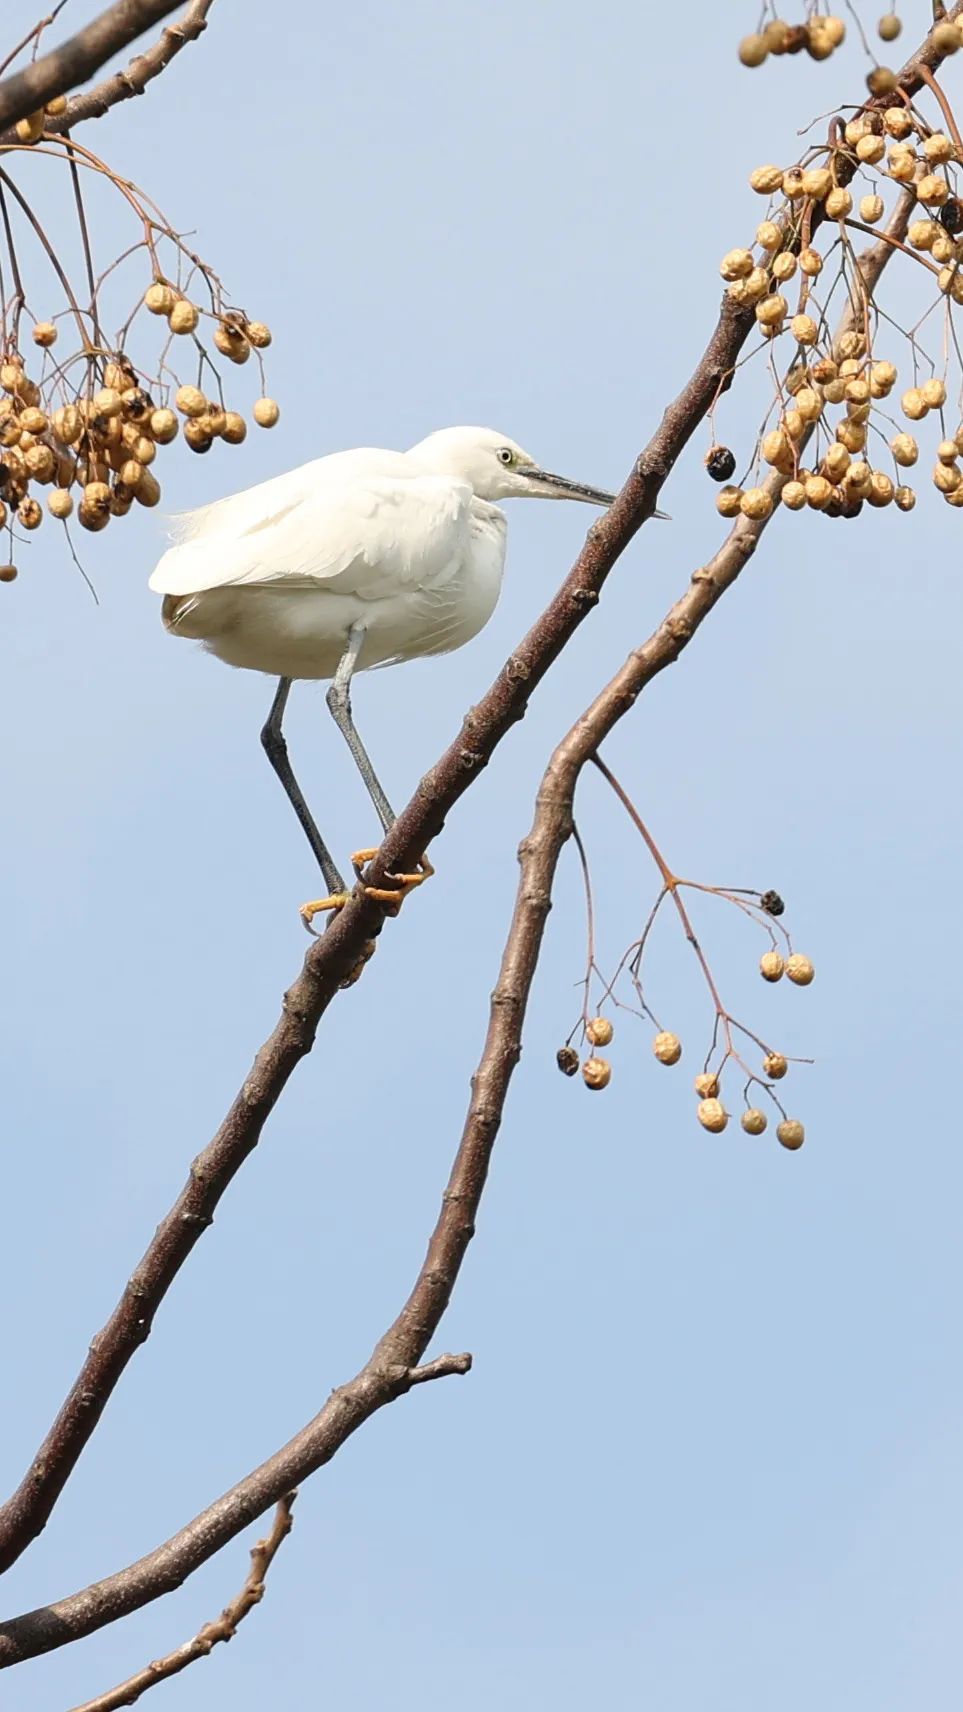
[(337, 957), (386, 1376), (225, 1628), (78, 58), (133, 80), (335, 961), (392, 1368)]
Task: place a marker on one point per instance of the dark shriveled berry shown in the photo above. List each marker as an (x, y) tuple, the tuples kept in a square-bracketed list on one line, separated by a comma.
[(772, 903), (950, 215), (567, 1060), (720, 463)]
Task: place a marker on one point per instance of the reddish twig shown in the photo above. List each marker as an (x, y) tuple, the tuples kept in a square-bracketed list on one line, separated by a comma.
[(224, 1628)]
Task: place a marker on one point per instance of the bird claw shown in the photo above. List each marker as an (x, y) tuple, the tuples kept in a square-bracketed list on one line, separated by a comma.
[(392, 897), (401, 884), (334, 901)]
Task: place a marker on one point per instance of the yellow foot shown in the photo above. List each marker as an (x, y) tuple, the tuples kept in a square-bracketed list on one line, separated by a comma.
[(401, 884), (334, 901)]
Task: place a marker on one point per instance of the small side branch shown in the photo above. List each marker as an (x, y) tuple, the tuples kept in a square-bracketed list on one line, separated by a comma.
[(135, 77), (25, 92), (223, 1629)]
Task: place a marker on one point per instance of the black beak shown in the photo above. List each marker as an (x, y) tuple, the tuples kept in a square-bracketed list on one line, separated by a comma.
[(560, 487)]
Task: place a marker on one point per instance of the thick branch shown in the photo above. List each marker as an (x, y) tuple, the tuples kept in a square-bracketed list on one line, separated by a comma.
[(393, 1366), (75, 60), (336, 958), (224, 1628), (381, 1380)]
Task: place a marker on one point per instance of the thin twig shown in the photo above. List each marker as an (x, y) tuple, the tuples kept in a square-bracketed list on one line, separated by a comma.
[(224, 1628)]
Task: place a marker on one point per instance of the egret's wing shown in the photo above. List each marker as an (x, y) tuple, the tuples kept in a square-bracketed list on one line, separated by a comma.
[(257, 506), (370, 538)]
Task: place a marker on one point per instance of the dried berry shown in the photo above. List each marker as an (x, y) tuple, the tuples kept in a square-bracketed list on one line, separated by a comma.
[(720, 463), (599, 1031), (707, 1085), (775, 1065), (567, 1060), (771, 966), (772, 903), (754, 1121)]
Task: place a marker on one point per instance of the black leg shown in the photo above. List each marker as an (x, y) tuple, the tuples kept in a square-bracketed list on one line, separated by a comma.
[(339, 702), (276, 750)]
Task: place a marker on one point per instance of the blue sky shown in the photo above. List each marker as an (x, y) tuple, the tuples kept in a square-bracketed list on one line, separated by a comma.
[(709, 1453)]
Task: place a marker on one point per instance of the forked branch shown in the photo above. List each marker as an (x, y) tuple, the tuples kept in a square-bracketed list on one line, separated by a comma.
[(25, 92)]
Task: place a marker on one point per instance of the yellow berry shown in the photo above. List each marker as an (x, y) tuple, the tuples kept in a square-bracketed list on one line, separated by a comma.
[(596, 1073), (897, 122), (766, 179), (753, 49), (235, 428), (793, 495), (810, 261), (667, 1047), (756, 503), (791, 1133), (889, 27), (728, 501), (164, 426), (60, 502), (183, 316), (839, 203), (799, 969), (599, 1031), (190, 400), (913, 404), (736, 264), (707, 1085), (771, 966), (160, 298), (712, 1115), (904, 498), (266, 412), (775, 1065), (30, 129), (905, 449), (871, 209), (934, 394), (258, 333), (769, 235), (754, 1121)]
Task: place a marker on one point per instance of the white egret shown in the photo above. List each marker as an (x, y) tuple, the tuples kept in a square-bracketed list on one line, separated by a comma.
[(360, 559)]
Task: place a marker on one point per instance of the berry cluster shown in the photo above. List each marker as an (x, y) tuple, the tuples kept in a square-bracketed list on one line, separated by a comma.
[(80, 432), (847, 374), (726, 1049)]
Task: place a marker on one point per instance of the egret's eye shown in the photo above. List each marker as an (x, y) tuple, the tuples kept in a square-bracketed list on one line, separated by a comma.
[(505, 455)]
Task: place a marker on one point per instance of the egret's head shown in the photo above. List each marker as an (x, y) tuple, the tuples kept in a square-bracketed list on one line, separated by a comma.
[(497, 468)]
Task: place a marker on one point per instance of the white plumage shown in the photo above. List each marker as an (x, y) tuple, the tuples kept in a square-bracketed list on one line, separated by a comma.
[(356, 560)]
